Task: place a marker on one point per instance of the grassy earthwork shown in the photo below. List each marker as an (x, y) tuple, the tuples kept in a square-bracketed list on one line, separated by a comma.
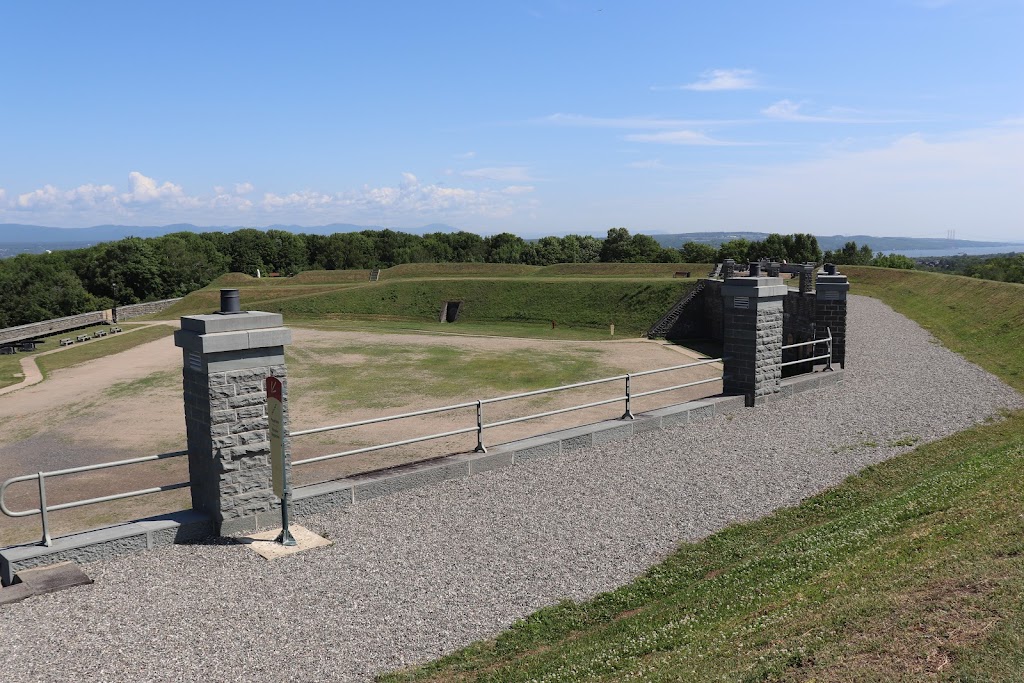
[(582, 300), (912, 570)]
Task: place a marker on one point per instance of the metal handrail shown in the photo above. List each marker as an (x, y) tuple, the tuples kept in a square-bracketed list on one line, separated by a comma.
[(481, 425), (43, 508), (827, 356)]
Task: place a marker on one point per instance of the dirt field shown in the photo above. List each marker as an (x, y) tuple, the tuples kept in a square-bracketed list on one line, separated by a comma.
[(129, 404)]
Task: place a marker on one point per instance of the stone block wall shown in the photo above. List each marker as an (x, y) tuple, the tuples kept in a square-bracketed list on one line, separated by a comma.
[(228, 443), (798, 316), (753, 342), (45, 327), (831, 314), (130, 311)]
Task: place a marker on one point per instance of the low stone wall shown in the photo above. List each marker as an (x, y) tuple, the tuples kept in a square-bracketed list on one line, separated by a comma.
[(123, 313), (46, 327)]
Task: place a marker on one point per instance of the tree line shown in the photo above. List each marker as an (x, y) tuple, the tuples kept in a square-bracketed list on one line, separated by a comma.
[(1001, 267), (852, 255), (132, 270)]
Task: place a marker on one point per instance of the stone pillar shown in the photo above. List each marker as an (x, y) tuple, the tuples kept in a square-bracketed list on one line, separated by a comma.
[(227, 358), (728, 268), (807, 278), (773, 269), (830, 312), (752, 330)]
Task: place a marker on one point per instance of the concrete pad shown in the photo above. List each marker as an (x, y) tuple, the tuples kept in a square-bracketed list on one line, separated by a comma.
[(15, 593), (265, 546), (52, 578)]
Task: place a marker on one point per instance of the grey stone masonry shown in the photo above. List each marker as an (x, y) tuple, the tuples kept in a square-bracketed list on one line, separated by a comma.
[(807, 278), (227, 359), (728, 268), (830, 312), (752, 316)]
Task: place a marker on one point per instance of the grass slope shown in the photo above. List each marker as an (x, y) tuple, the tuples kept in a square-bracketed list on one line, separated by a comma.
[(632, 306), (912, 570)]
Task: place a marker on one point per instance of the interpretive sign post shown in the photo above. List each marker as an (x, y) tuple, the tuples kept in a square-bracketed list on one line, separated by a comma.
[(275, 422)]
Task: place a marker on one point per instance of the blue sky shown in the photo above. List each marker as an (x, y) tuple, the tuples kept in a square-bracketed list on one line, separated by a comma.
[(901, 117)]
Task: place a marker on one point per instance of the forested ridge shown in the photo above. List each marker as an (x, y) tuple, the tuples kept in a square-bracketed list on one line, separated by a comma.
[(131, 270)]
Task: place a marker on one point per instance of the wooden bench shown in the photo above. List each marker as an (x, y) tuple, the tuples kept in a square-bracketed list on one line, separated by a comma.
[(115, 330), (99, 333), (67, 341), (82, 337)]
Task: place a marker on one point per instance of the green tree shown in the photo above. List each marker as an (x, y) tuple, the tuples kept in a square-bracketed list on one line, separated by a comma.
[(697, 252)]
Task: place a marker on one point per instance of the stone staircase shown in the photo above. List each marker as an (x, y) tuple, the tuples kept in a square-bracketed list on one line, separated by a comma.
[(374, 274), (661, 328)]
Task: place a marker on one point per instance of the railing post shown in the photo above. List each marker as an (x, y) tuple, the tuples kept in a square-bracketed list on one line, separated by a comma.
[(829, 344), (479, 428), (42, 510), (628, 415)]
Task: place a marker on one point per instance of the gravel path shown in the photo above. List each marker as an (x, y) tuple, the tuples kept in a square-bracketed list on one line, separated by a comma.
[(416, 575)]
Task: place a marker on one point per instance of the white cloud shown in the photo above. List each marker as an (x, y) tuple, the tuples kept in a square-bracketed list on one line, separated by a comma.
[(972, 182), (680, 137), (518, 189), (507, 174), (3, 194), (146, 190), (649, 164), (83, 196), (635, 122), (152, 201), (718, 79), (787, 110), (466, 155)]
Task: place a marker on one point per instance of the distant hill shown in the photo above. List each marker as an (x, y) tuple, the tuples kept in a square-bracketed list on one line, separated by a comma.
[(16, 238), (827, 242)]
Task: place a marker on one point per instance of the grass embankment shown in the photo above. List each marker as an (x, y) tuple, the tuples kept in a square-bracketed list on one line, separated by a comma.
[(912, 570), (10, 366), (10, 370), (632, 306), (105, 346)]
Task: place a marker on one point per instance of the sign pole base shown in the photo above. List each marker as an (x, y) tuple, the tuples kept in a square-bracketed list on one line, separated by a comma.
[(285, 538)]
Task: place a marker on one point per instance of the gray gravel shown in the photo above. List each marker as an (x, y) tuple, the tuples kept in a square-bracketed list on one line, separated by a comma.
[(419, 574)]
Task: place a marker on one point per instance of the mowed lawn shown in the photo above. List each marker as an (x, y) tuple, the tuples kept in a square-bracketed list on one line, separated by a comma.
[(912, 570)]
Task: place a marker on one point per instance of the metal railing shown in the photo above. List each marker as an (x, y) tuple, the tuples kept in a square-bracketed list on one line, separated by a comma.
[(44, 508), (481, 425), (827, 356)]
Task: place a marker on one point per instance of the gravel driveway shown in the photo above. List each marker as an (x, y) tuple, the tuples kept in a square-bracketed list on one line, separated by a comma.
[(419, 574)]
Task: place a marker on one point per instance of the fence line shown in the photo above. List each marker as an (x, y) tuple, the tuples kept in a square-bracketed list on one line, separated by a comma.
[(481, 424), (44, 508)]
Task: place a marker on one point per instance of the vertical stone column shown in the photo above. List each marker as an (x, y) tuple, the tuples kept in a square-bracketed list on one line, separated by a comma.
[(227, 358), (752, 329), (728, 268), (830, 312), (807, 278)]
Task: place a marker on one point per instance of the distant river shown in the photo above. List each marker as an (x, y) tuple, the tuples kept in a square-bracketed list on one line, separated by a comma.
[(970, 251)]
